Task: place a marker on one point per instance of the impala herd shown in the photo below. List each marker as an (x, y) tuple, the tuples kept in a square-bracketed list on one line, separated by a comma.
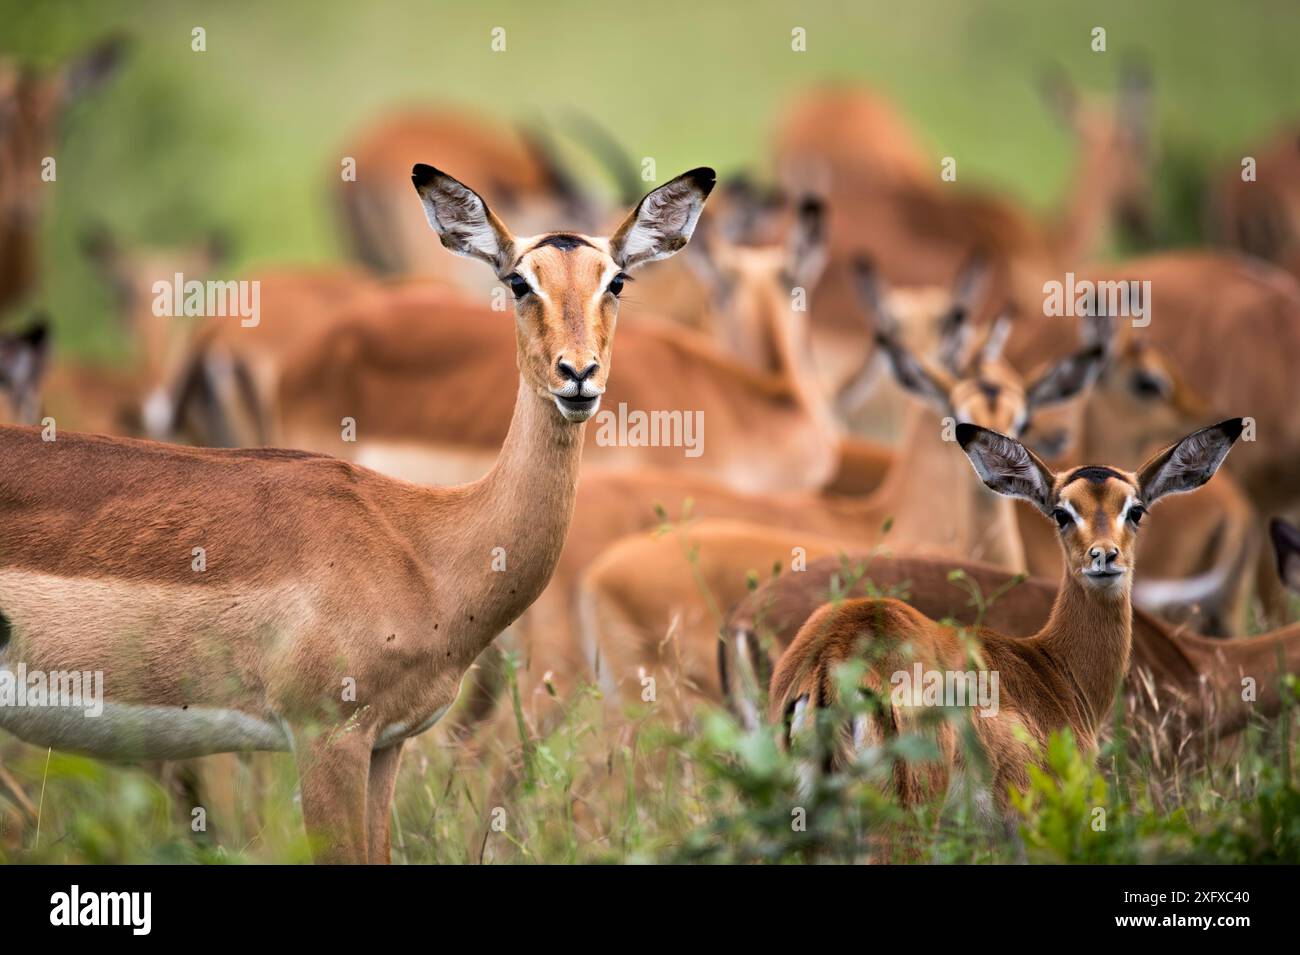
[(305, 535)]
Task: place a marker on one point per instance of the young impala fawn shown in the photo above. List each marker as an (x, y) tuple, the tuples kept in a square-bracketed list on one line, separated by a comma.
[(1064, 676), (1182, 684), (335, 610)]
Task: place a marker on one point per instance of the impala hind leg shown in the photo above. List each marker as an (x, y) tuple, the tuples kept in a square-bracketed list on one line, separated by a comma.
[(334, 775), (379, 803)]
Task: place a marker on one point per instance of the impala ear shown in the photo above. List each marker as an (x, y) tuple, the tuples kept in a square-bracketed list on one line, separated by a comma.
[(928, 384), (971, 281), (23, 360), (1067, 378), (871, 291), (93, 68), (1007, 466), (462, 219), (663, 221), (1191, 462), (1058, 92), (1286, 545), (808, 251)]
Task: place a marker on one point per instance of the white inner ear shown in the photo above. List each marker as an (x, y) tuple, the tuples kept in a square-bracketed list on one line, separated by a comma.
[(1012, 469), (662, 216), (458, 213)]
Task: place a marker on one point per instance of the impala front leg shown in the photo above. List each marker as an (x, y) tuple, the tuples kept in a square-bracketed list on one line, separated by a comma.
[(334, 776), (379, 803)]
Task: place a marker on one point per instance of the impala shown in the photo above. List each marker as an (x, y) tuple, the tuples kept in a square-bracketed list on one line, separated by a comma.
[(337, 609), (31, 105), (1182, 684), (894, 208), (1261, 215), (1063, 677)]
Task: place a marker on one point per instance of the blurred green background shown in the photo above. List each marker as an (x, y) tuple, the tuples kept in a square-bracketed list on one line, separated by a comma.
[(246, 136)]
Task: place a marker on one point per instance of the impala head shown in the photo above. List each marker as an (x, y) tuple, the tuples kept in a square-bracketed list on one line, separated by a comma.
[(31, 103), (130, 272), (931, 321), (1114, 137), (566, 286), (1286, 546), (22, 366), (986, 391), (1141, 400), (1098, 509), (753, 284)]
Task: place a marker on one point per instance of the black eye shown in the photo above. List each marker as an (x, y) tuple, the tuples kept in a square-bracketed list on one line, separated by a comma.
[(616, 284), (1136, 513), (1146, 385), (518, 285), (1062, 517)]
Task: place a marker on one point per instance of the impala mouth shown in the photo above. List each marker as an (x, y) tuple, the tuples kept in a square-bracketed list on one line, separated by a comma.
[(577, 408), (1105, 578)]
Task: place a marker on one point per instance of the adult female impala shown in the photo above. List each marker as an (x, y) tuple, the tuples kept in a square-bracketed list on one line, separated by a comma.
[(339, 608), (1065, 676)]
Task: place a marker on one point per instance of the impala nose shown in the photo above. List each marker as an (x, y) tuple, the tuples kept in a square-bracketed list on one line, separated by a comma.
[(569, 373), (1103, 558)]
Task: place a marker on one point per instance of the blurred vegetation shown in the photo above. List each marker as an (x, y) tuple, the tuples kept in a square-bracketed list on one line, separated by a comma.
[(245, 137), (710, 792)]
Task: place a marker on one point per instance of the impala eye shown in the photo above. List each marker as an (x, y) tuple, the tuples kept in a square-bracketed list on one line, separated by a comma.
[(1136, 513), (1062, 517), (518, 285), (616, 284)]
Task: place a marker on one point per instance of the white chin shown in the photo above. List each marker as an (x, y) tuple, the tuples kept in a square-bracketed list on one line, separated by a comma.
[(577, 415), (1115, 583)]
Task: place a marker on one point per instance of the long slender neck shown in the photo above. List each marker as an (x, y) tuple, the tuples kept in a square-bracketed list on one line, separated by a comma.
[(934, 498), (503, 534), (1089, 635), (1229, 663), (1086, 211), (794, 363)]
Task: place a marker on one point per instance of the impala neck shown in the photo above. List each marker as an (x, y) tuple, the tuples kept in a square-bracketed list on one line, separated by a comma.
[(794, 364), (522, 506), (931, 491), (1087, 210), (1089, 635)]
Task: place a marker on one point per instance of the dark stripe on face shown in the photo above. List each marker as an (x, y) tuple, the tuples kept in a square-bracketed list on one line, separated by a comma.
[(1097, 475), (564, 241), (6, 631)]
